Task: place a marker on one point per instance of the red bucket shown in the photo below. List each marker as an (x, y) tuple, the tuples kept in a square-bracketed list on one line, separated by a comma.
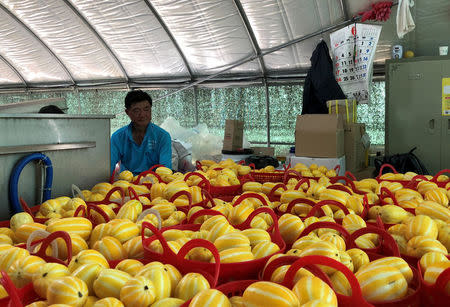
[(435, 295)]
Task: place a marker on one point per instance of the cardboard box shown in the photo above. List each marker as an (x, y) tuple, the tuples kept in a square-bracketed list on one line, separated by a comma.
[(356, 146), (264, 151), (346, 108), (319, 136), (329, 163), (234, 135)]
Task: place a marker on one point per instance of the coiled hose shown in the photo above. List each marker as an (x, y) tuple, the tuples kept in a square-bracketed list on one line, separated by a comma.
[(15, 174)]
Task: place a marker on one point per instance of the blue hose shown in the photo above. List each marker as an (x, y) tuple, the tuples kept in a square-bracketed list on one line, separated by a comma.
[(14, 179)]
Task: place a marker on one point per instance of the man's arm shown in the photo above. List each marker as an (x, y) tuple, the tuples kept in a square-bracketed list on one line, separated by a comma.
[(165, 153), (115, 153)]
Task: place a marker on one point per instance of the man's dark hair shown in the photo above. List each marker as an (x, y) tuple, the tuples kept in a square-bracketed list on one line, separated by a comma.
[(52, 109), (135, 97)]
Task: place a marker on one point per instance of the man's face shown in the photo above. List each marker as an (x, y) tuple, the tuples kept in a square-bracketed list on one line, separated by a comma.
[(140, 113)]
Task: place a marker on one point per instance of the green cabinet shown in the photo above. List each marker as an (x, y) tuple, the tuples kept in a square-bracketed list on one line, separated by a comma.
[(414, 110)]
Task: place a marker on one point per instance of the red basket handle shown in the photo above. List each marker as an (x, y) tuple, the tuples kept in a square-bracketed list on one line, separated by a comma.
[(99, 210), (242, 162), (206, 197), (386, 193), (198, 165), (203, 212), (434, 179), (204, 183), (322, 203), (25, 207), (113, 175), (415, 181), (182, 193), (132, 193), (290, 173), (299, 201), (205, 244), (167, 252), (386, 165), (337, 168), (288, 260), (387, 240), (250, 195), (350, 175), (247, 223), (48, 240), (356, 297), (81, 209), (11, 290), (332, 225), (286, 167), (442, 280), (252, 166), (155, 167), (108, 195), (150, 211), (301, 182), (275, 188), (339, 187), (143, 174)]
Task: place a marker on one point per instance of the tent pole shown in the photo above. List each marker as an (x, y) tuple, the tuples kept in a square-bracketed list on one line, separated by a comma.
[(13, 68)]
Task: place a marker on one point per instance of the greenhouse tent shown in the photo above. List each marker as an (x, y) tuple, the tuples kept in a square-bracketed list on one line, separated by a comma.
[(164, 43)]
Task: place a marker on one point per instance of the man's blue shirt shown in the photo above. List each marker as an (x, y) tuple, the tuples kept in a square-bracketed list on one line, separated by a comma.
[(156, 148)]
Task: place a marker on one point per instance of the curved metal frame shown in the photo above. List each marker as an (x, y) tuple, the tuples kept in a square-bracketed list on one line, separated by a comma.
[(252, 36), (171, 37), (14, 70), (66, 70), (102, 41)]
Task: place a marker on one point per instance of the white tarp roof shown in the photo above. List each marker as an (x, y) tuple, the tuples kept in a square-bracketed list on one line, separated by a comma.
[(95, 42)]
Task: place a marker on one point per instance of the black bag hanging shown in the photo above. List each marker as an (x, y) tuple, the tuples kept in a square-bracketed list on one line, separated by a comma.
[(262, 161), (403, 163)]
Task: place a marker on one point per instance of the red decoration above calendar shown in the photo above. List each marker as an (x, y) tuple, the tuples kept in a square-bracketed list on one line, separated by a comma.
[(353, 49)]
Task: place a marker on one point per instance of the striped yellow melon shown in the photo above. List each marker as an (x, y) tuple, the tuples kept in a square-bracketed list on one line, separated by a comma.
[(202, 234), (232, 240), (109, 282), (99, 231), (24, 231), (157, 190), (20, 219), (310, 220), (73, 204), (165, 209), (437, 195), (95, 197), (290, 227), (138, 291), (407, 194), (193, 210), (398, 229), (256, 236), (240, 213), (190, 285), (264, 249), (128, 213), (433, 272), (22, 270), (337, 195), (67, 290), (218, 231), (45, 275), (123, 230), (178, 216), (8, 232), (431, 258), (156, 246), (102, 188), (346, 260), (232, 255), (212, 221), (159, 276), (78, 244), (337, 240), (36, 304), (340, 283), (351, 219), (420, 245), (50, 206), (210, 298), (359, 258), (88, 273), (130, 266), (196, 193), (126, 175), (279, 273), (421, 225), (394, 262), (303, 242), (11, 255), (269, 294), (315, 190), (173, 234), (425, 186), (433, 210), (168, 302), (90, 301), (88, 256), (401, 243), (301, 209), (112, 249), (73, 225), (108, 302), (311, 288), (289, 195), (199, 254), (259, 222), (381, 284), (175, 276), (322, 248), (174, 187), (444, 236)]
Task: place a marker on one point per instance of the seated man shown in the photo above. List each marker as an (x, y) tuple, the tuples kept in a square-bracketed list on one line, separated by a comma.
[(141, 144)]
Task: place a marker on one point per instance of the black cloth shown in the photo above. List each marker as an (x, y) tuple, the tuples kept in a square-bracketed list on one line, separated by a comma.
[(320, 84)]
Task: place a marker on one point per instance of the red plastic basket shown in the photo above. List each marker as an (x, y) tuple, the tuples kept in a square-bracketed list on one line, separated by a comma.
[(435, 295), (143, 174), (228, 271), (276, 176), (17, 297), (403, 182), (441, 184), (294, 202), (272, 196)]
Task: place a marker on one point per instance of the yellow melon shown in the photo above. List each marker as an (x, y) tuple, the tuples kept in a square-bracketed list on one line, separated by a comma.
[(340, 283), (437, 195), (419, 245), (123, 230), (394, 262), (264, 249), (432, 273), (269, 294), (109, 282), (256, 236), (210, 298), (190, 285), (431, 258), (168, 302), (290, 227), (112, 249), (88, 256), (20, 219), (73, 225), (9, 256), (175, 276), (78, 244), (335, 239), (421, 225), (303, 242), (311, 288), (25, 230), (108, 302), (134, 248), (138, 291), (160, 277), (67, 290), (22, 270), (88, 273), (130, 266), (99, 232), (232, 240), (232, 255), (433, 210), (45, 275)]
